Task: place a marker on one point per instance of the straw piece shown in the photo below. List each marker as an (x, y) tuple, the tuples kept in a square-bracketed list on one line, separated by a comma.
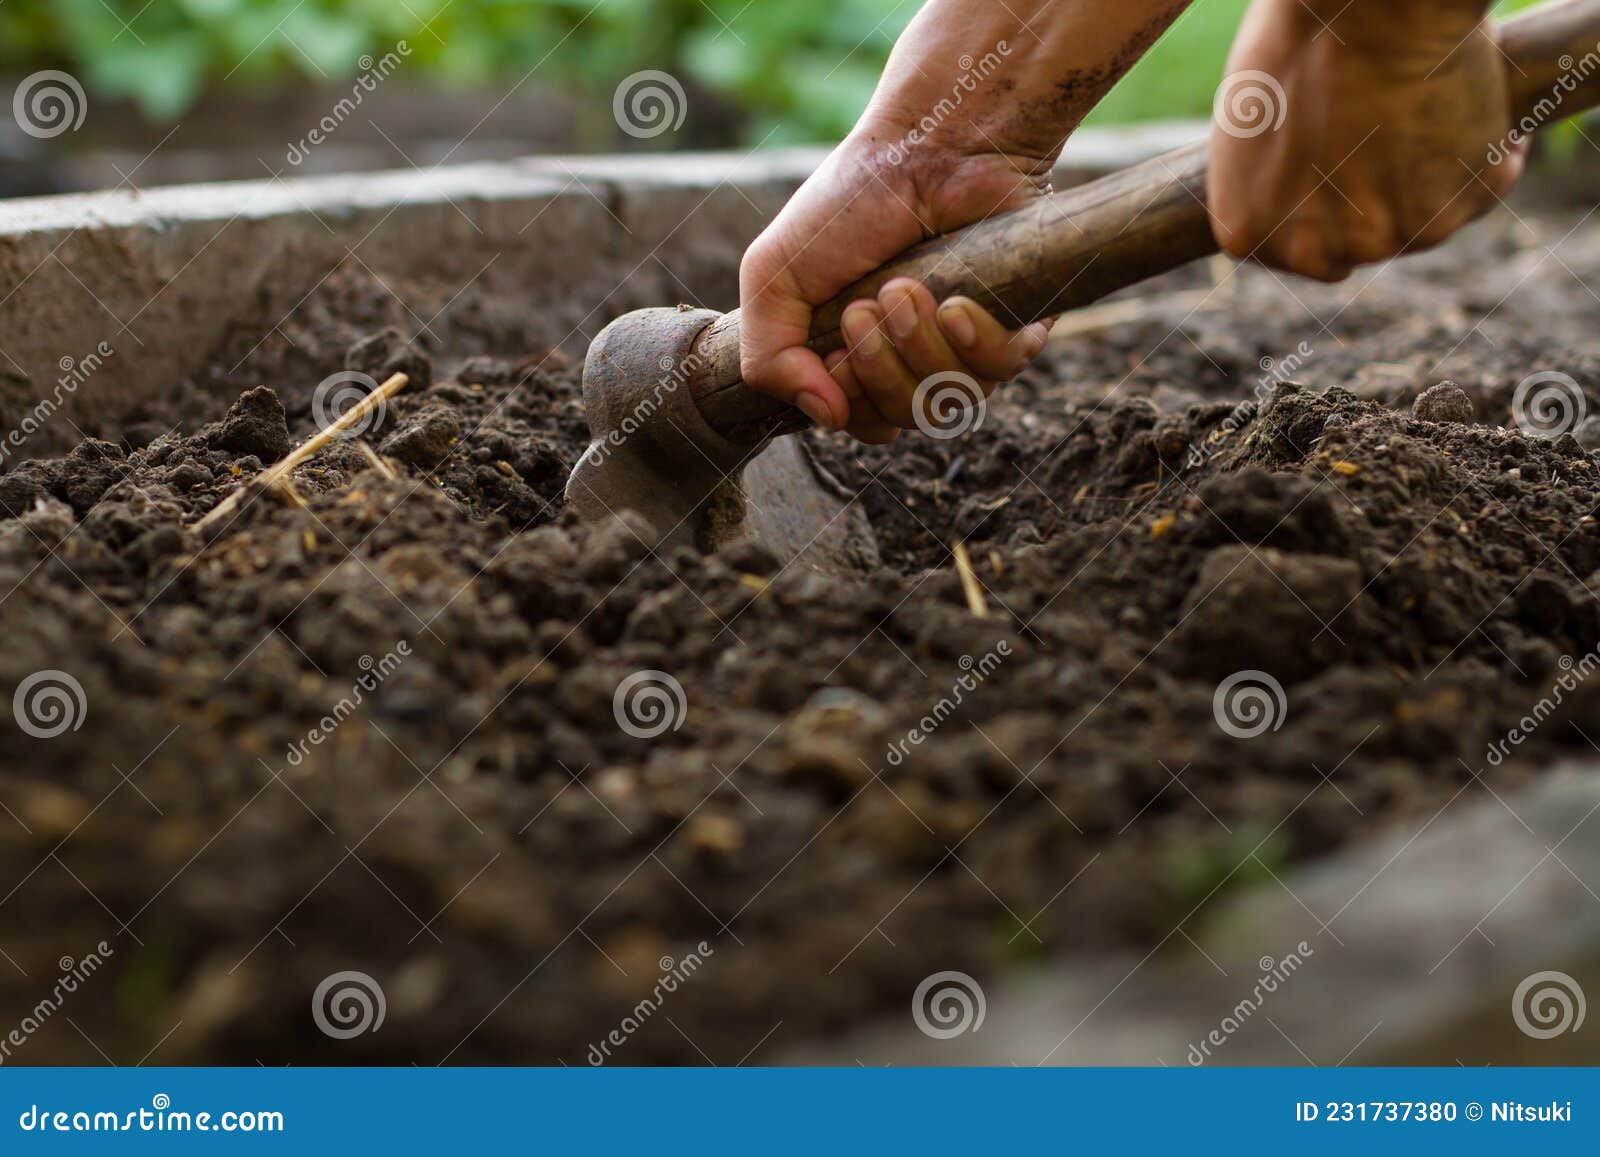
[(276, 474), (969, 583)]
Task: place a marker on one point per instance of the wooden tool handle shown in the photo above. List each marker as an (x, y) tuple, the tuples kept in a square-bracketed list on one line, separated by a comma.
[(1068, 249)]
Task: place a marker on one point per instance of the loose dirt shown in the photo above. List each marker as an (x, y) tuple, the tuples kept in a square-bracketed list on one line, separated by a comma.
[(378, 730)]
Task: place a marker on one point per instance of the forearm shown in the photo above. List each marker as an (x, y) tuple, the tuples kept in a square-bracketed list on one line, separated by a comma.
[(1018, 77)]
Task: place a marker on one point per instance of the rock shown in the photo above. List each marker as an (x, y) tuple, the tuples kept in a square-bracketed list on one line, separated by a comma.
[(1445, 402), (424, 440), (255, 424), (386, 353)]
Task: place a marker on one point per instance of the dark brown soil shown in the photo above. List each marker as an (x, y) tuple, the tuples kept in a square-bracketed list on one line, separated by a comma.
[(483, 838)]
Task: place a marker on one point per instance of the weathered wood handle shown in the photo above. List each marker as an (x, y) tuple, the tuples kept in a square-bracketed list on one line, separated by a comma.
[(1068, 249)]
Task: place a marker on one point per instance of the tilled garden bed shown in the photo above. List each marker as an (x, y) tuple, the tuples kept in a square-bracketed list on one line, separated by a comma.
[(378, 729)]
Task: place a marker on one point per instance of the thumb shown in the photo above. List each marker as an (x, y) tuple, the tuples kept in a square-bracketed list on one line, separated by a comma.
[(774, 324)]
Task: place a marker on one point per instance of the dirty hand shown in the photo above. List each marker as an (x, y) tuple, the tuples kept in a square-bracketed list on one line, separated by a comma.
[(855, 214), (972, 112), (1348, 133)]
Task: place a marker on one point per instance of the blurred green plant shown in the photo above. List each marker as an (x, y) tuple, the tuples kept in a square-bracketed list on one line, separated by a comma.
[(797, 71)]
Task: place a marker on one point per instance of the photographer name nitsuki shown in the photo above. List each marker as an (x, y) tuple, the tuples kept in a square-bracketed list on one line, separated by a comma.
[(1517, 1111)]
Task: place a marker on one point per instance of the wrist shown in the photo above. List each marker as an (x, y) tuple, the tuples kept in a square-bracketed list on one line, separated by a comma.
[(956, 103)]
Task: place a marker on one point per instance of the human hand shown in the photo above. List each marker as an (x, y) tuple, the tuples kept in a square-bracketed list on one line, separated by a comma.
[(1376, 141), (869, 202)]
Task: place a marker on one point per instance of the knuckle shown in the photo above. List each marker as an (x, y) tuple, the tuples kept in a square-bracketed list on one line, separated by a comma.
[(1238, 236)]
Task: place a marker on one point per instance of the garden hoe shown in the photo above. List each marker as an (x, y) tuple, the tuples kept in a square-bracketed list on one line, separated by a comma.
[(681, 441)]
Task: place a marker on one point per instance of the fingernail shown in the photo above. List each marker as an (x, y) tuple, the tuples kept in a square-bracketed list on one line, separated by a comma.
[(862, 330), (903, 315), (958, 326), (1033, 340), (816, 409)]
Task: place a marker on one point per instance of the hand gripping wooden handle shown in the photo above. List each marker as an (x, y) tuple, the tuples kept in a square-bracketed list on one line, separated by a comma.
[(1068, 249)]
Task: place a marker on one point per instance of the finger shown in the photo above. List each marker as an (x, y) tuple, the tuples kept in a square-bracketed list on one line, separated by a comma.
[(990, 351), (884, 378), (910, 315), (866, 424), (773, 358), (1302, 248)]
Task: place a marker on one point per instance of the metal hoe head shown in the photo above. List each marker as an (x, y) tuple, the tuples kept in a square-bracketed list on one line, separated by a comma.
[(654, 454)]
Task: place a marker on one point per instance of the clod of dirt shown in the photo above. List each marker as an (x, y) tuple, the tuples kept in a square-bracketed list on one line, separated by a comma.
[(425, 438), (1290, 615), (255, 424), (1446, 402), (386, 353)]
